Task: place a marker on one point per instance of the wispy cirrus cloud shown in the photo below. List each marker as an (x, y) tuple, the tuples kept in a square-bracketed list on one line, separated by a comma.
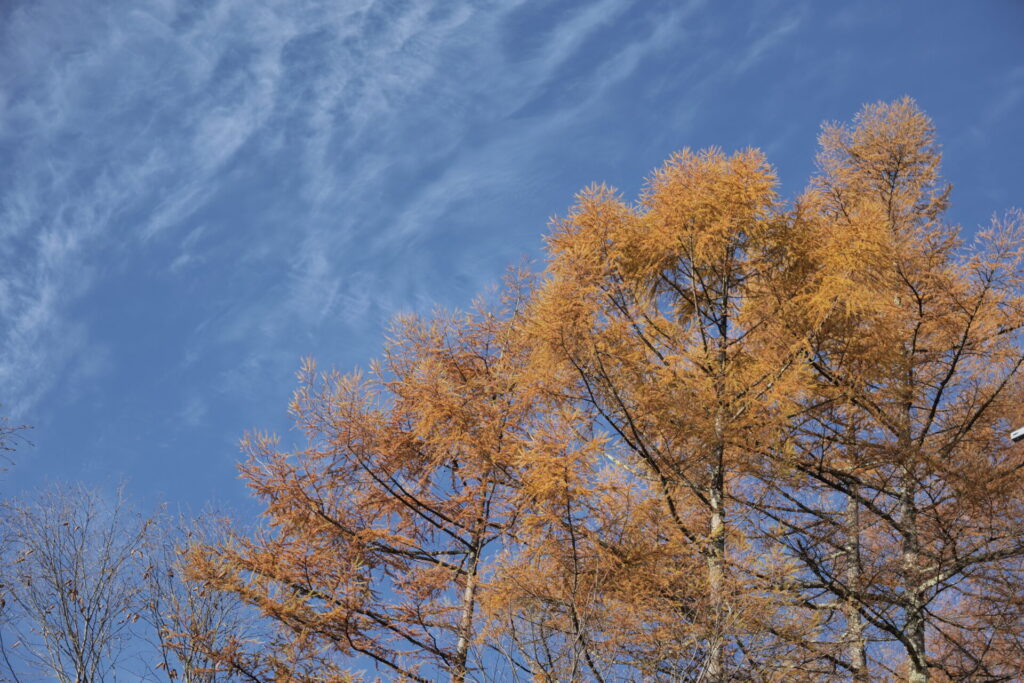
[(312, 145), (195, 194), (117, 125)]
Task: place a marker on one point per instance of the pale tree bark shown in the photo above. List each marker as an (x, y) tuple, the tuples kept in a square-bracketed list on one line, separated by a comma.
[(855, 643), (465, 629), (716, 570), (914, 620)]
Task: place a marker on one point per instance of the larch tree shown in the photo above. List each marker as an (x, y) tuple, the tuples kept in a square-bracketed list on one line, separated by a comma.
[(909, 510), (664, 315), (544, 594), (380, 529), (574, 584)]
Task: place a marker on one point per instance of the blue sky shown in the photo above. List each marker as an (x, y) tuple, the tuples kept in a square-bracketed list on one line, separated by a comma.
[(195, 195)]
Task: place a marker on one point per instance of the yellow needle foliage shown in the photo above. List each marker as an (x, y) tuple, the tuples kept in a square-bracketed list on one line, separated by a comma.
[(721, 437)]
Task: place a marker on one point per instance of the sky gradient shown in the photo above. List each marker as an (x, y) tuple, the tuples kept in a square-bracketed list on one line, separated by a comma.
[(196, 195)]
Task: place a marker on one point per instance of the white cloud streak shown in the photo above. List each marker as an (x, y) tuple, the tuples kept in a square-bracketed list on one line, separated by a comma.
[(290, 153)]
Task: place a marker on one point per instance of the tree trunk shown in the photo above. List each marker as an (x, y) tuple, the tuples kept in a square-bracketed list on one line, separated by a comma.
[(914, 618), (716, 566), (716, 495), (914, 623), (856, 650), (465, 631)]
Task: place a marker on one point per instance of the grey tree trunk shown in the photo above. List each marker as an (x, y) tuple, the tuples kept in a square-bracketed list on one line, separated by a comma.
[(856, 650), (914, 621), (716, 579), (465, 631)]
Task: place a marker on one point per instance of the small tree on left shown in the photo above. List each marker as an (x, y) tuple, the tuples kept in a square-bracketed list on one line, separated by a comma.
[(71, 583)]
